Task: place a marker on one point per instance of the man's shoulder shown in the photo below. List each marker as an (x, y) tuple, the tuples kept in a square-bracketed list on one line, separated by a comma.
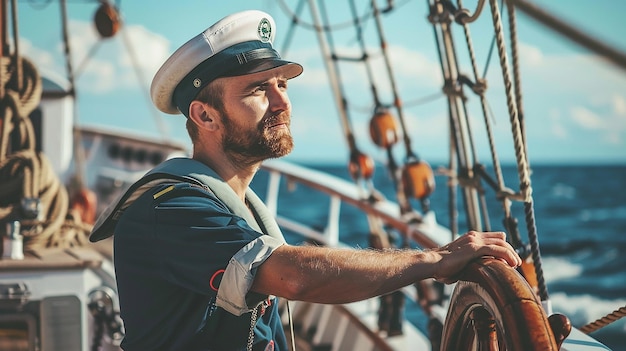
[(186, 195)]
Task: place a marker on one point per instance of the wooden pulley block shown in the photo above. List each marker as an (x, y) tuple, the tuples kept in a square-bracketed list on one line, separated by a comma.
[(418, 179), (107, 20), (383, 129), (361, 165)]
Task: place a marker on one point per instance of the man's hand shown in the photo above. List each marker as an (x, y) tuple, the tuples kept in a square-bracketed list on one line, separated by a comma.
[(457, 254)]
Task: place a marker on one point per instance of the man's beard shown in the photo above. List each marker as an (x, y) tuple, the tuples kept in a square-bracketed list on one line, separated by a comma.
[(252, 145)]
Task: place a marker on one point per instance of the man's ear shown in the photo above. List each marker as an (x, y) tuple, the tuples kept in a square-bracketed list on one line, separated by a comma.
[(203, 115)]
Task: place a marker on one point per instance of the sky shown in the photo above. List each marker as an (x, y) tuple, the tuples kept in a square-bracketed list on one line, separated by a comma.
[(574, 102)]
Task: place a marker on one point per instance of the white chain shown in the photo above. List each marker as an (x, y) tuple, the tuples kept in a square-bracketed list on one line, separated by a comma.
[(252, 324), (253, 318)]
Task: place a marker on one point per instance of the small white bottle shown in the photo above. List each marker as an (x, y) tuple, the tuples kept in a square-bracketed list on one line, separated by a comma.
[(13, 242)]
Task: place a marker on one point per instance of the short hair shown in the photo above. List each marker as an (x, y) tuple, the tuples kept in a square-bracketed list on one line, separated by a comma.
[(211, 94)]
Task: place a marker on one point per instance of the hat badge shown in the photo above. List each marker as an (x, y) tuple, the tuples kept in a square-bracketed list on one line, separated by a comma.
[(264, 30)]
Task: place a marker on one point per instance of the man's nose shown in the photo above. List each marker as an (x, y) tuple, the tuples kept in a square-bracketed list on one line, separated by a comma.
[(279, 100)]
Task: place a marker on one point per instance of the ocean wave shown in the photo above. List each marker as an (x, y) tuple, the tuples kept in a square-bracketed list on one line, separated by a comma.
[(602, 214), (584, 309)]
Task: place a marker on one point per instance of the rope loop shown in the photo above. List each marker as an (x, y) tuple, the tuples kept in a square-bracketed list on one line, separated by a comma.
[(28, 97), (30, 190), (462, 16), (17, 130)]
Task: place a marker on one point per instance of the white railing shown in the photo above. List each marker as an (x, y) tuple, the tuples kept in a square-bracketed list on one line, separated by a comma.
[(425, 232)]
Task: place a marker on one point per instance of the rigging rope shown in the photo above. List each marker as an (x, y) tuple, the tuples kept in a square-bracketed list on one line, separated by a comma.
[(331, 57), (520, 153), (361, 166), (414, 168), (292, 25), (296, 19), (390, 135), (79, 157), (394, 87), (415, 178), (479, 86), (604, 321), (365, 57), (470, 177), (158, 118)]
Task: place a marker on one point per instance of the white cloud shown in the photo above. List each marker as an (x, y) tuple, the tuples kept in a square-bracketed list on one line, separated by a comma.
[(414, 65), (556, 124), (150, 50), (617, 127), (104, 65), (619, 105), (586, 119), (581, 92), (610, 121), (530, 55), (83, 39), (40, 58), (100, 78)]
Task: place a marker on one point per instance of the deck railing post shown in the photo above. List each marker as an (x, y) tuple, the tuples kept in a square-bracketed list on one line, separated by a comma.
[(332, 228), (273, 187)]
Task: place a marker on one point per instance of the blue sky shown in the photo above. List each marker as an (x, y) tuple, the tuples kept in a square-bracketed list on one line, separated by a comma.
[(574, 102)]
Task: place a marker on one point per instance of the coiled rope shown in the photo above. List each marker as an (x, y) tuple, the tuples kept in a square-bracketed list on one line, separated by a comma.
[(30, 191)]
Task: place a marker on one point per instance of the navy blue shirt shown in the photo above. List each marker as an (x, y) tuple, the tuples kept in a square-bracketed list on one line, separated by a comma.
[(168, 254)]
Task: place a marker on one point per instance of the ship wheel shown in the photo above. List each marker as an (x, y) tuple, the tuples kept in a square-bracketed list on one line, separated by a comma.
[(494, 308)]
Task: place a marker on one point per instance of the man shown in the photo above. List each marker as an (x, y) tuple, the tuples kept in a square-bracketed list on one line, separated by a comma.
[(198, 257)]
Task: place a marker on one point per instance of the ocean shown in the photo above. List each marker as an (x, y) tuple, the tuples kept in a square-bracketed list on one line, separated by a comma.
[(580, 213)]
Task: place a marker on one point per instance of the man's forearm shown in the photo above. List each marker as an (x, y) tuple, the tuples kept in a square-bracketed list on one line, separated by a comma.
[(325, 275)]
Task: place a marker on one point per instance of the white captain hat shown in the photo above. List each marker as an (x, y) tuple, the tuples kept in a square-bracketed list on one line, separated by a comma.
[(238, 44)]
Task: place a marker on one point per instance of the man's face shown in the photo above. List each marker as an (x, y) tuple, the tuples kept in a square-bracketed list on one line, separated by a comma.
[(256, 117)]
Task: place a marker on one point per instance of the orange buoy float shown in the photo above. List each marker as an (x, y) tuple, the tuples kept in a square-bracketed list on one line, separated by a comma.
[(383, 128), (107, 20), (418, 179), (361, 165), (85, 203)]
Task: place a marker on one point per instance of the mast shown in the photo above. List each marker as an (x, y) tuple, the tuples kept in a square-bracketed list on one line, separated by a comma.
[(3, 42), (3, 49), (459, 128)]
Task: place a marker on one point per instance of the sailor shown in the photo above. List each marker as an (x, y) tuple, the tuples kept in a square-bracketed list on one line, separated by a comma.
[(199, 260)]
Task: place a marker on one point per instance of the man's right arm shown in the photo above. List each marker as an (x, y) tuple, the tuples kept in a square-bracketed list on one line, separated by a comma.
[(331, 275)]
